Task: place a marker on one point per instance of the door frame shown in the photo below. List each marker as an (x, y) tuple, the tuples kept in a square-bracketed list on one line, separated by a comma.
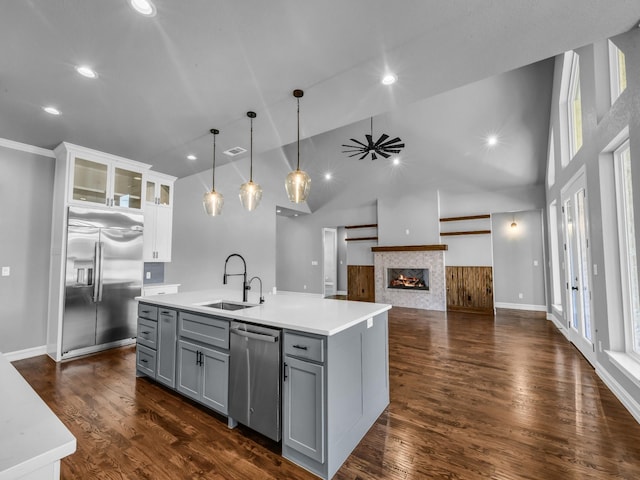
[(334, 259)]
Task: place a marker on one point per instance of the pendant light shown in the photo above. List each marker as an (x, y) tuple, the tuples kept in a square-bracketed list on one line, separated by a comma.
[(213, 201), (298, 182), (250, 192)]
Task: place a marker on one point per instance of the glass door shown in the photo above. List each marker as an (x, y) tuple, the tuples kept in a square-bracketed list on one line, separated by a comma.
[(577, 267), (90, 181)]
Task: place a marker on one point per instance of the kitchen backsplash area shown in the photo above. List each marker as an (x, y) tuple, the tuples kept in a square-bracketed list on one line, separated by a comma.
[(153, 273)]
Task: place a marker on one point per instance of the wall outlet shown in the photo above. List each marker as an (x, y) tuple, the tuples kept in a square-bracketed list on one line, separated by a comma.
[(595, 269), (599, 345), (535, 263), (314, 263), (521, 295), (407, 231), (304, 286), (6, 271), (147, 275)]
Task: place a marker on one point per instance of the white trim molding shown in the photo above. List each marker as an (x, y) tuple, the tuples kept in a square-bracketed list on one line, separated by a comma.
[(304, 294), (621, 394), (26, 353), (521, 306), (558, 324), (23, 147)]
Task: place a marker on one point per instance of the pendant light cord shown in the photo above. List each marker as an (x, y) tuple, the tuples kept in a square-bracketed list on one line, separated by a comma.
[(213, 174), (298, 133), (251, 153)]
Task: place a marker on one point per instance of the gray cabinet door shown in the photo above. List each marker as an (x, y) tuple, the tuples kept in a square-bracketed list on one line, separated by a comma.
[(189, 370), (215, 379), (303, 408), (166, 362)]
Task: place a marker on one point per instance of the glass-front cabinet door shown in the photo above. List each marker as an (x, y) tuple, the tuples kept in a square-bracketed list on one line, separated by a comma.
[(158, 191), (90, 181), (127, 189)]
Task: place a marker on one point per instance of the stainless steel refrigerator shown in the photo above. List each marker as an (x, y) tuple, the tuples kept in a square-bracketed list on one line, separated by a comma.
[(103, 275)]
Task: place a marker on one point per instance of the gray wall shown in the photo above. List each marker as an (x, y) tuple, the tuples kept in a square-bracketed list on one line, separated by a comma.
[(409, 218), (202, 243), (602, 122), (518, 259), (26, 190)]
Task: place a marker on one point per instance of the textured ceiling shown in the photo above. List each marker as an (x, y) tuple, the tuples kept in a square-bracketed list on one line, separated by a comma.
[(165, 81)]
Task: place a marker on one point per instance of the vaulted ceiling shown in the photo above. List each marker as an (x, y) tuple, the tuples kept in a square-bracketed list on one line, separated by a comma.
[(164, 81)]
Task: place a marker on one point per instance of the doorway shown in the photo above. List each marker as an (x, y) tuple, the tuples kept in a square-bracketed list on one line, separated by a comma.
[(330, 261), (577, 266)]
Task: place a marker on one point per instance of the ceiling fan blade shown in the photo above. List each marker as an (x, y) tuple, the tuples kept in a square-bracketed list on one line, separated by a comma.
[(373, 155), (359, 142), (363, 156), (354, 154), (385, 155), (389, 142), (391, 151), (381, 139), (370, 140)]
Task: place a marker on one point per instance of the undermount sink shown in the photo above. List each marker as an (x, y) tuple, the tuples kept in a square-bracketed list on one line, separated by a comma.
[(227, 305)]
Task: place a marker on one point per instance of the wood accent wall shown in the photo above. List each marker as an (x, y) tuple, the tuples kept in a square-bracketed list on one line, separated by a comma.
[(361, 283), (470, 289)]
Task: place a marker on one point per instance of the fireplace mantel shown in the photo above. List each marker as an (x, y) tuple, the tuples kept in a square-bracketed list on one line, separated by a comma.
[(410, 248)]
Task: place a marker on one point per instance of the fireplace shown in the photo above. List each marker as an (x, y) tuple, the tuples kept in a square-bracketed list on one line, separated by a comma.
[(411, 279)]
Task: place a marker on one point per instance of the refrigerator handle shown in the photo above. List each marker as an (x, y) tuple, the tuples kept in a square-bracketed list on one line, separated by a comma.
[(96, 270), (101, 260)]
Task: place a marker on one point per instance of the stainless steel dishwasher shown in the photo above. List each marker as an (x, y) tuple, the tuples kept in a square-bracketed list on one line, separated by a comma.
[(254, 378)]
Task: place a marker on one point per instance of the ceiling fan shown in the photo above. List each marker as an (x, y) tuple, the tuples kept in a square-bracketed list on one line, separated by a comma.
[(382, 146)]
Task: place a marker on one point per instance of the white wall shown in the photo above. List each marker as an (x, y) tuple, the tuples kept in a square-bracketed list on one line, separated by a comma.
[(26, 190)]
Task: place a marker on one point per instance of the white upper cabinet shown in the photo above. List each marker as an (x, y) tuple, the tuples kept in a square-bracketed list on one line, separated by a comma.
[(158, 216), (99, 179)]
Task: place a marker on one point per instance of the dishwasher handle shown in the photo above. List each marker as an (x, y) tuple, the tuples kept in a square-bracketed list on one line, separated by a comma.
[(255, 336)]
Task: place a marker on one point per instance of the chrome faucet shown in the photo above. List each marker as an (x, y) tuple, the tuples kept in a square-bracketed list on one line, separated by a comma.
[(249, 287), (245, 285)]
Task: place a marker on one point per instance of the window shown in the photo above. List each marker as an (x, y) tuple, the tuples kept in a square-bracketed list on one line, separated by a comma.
[(574, 108), (618, 71), (628, 253)]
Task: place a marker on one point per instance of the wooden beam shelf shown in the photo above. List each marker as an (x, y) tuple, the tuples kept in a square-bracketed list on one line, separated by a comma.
[(468, 217), (360, 238), (410, 248), (370, 225), (471, 232)]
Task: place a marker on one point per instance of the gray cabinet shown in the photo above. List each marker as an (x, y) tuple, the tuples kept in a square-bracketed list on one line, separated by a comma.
[(304, 407), (166, 349), (203, 374)]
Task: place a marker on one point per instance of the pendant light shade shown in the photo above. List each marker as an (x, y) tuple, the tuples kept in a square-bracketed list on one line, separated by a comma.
[(213, 201), (298, 183), (250, 192)]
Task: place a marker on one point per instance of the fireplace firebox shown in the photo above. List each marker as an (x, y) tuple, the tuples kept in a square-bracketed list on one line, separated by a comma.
[(415, 279)]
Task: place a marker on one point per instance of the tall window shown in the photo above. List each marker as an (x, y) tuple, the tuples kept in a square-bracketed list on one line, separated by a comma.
[(574, 106), (618, 70), (551, 161), (628, 255)]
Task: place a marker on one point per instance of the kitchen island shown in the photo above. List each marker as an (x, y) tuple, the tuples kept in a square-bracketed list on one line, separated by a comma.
[(334, 370)]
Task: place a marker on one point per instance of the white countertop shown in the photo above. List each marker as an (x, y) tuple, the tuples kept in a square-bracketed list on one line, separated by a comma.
[(296, 312), (31, 436)]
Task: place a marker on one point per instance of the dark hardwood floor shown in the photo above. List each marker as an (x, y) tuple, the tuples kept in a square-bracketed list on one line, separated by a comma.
[(472, 397)]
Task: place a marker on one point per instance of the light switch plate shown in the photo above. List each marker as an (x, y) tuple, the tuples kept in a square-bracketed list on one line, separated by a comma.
[(148, 275), (6, 271)]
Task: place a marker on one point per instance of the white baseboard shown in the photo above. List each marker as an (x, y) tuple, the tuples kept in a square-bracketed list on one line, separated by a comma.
[(341, 292), (304, 294), (627, 400), (558, 324), (26, 353), (521, 306)]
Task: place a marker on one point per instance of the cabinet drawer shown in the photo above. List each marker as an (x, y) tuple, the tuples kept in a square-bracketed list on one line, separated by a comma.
[(302, 346), (147, 333), (147, 311), (146, 361), (210, 330), (166, 313)]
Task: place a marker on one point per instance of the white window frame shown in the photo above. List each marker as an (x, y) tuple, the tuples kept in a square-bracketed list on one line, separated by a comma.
[(574, 85), (551, 161), (628, 264), (614, 71)]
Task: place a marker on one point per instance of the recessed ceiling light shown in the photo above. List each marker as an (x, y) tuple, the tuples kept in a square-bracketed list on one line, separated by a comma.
[(143, 7), (396, 161), (191, 157), (51, 110), (327, 176), (86, 71), (389, 79), (492, 140)]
